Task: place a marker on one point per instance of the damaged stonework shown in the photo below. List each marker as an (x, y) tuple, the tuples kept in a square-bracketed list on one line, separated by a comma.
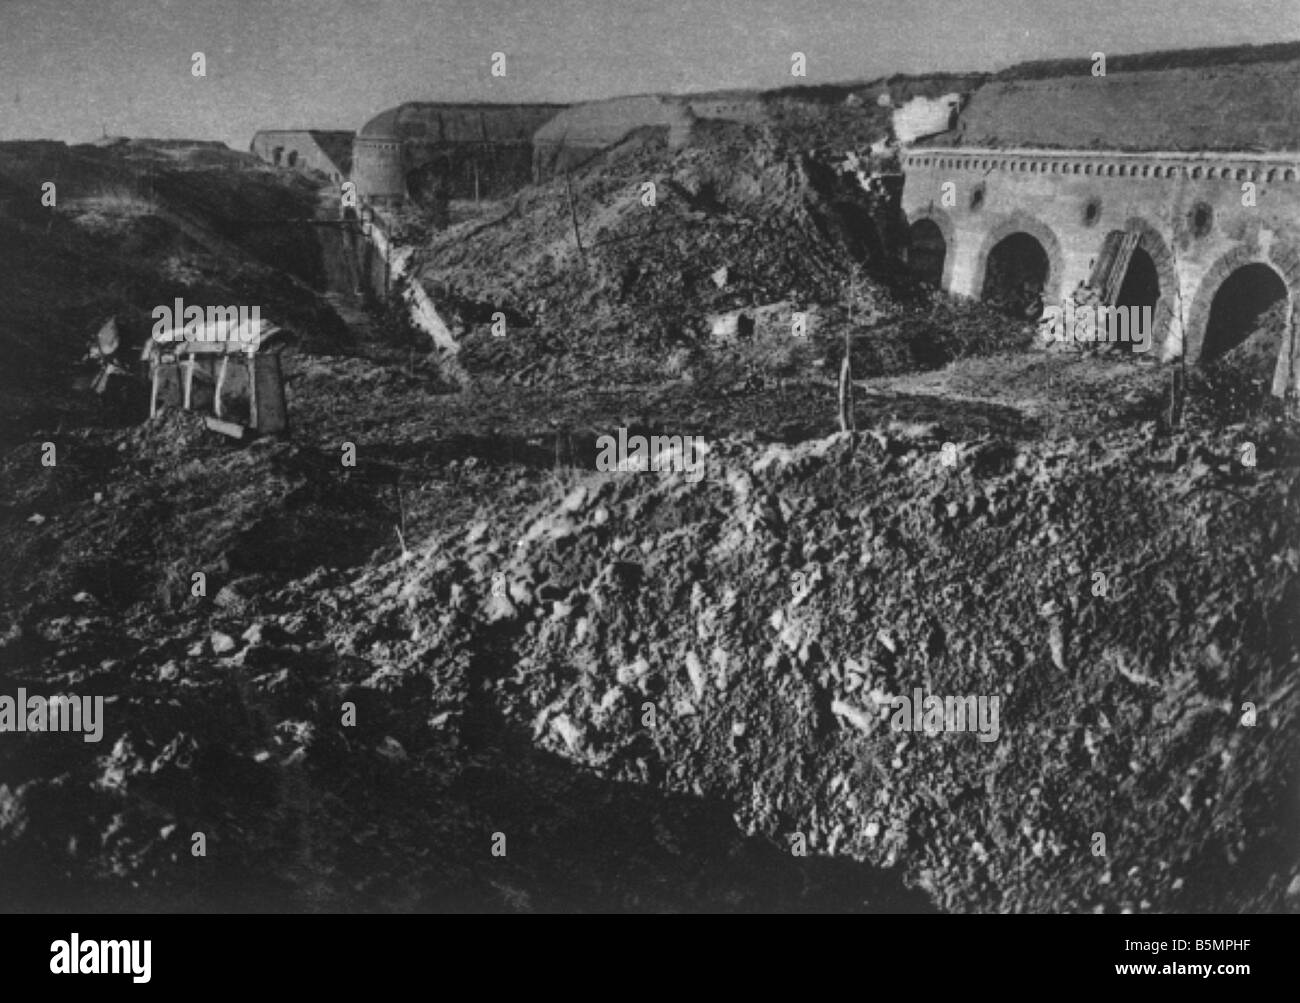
[(423, 313), (924, 116), (771, 320), (237, 380)]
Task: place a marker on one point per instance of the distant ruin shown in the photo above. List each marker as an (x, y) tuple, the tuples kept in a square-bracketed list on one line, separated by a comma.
[(1148, 187), (326, 151), (581, 132), (425, 151)]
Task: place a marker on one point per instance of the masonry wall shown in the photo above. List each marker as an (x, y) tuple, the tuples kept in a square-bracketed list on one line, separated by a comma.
[(499, 169), (377, 168), (313, 150), (582, 131), (1048, 194)]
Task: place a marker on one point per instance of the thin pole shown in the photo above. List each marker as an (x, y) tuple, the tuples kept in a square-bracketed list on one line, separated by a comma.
[(573, 214)]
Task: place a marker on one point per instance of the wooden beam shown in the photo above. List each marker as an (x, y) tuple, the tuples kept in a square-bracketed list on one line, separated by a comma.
[(230, 428), (252, 390), (272, 412), (221, 383)]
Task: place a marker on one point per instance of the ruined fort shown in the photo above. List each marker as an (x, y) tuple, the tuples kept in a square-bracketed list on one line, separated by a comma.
[(727, 501), (1187, 207)]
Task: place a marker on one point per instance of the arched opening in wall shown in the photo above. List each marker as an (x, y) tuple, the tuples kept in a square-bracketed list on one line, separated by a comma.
[(276, 154), (1247, 301), (292, 159), (1141, 285), (1016, 274), (927, 251)]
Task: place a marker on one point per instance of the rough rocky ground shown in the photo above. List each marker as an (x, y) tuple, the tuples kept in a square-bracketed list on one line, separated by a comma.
[(620, 672)]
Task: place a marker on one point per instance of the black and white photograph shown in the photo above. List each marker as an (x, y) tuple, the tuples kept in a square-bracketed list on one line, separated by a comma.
[(683, 457)]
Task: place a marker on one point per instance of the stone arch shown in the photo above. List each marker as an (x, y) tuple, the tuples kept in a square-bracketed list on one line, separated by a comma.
[(1284, 261), (1021, 222), (1153, 244), (947, 229)]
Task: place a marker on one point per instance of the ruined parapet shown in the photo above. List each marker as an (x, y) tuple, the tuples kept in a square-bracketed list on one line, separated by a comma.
[(420, 149), (924, 116), (328, 152), (583, 131)]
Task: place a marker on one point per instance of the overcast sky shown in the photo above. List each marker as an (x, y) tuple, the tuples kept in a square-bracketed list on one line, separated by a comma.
[(70, 69)]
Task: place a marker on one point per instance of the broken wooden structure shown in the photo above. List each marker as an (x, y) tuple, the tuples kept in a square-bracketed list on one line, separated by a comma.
[(233, 375)]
